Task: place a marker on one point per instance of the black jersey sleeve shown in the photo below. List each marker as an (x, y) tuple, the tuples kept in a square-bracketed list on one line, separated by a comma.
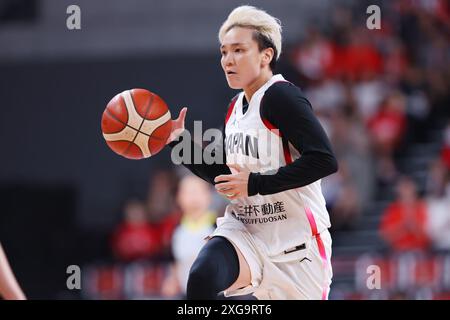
[(286, 108), (200, 168)]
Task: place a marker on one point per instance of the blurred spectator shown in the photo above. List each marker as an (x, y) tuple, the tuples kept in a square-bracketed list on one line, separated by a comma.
[(362, 61), (197, 222), (161, 207), (346, 210), (403, 222), (103, 282), (342, 199), (438, 223), (135, 238), (445, 153), (368, 96), (314, 56), (417, 103), (160, 198), (352, 147), (437, 84), (437, 179), (396, 60), (387, 128), (327, 96)]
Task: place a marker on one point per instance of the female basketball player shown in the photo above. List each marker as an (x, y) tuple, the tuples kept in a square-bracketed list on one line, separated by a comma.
[(273, 241), (9, 288)]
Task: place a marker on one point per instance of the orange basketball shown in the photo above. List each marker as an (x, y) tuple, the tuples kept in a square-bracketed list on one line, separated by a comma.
[(136, 124)]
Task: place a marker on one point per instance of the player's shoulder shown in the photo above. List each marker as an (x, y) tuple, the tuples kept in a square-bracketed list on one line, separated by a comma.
[(285, 86), (284, 92)]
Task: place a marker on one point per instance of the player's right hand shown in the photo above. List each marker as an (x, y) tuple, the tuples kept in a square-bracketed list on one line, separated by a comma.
[(177, 126)]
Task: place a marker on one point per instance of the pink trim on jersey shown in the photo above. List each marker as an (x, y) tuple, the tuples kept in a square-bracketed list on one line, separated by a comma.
[(320, 245)]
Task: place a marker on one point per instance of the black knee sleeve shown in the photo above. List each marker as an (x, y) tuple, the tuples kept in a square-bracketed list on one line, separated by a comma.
[(215, 269)]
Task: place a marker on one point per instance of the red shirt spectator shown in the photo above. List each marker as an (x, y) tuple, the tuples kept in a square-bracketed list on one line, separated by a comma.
[(136, 238), (445, 155), (167, 226), (400, 228), (388, 125), (403, 224), (360, 59), (314, 58)]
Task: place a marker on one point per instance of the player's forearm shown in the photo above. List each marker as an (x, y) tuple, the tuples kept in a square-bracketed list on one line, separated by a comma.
[(303, 171), (195, 161), (9, 288)]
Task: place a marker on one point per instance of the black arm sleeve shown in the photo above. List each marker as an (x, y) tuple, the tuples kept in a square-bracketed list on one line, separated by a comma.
[(287, 109), (202, 169)]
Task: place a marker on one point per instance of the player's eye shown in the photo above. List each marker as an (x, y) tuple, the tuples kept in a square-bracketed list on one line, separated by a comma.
[(223, 53), (238, 50)]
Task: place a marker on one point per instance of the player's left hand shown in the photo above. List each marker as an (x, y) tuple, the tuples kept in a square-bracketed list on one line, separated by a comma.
[(234, 185)]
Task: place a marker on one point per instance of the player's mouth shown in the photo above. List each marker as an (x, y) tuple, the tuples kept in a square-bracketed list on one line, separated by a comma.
[(230, 72)]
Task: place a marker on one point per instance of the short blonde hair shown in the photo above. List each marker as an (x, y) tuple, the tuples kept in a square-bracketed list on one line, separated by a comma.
[(263, 23)]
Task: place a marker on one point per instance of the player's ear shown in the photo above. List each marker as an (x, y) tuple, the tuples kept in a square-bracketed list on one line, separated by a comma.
[(267, 56)]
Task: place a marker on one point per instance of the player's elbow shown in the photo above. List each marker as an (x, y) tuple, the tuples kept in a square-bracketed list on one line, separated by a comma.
[(325, 163), (331, 164)]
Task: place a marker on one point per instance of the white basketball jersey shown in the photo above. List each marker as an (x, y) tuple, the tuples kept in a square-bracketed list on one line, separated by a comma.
[(282, 220)]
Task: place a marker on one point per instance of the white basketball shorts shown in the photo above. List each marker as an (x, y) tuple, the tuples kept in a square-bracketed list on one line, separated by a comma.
[(303, 272)]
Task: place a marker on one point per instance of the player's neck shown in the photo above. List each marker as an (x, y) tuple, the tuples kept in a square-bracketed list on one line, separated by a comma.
[(258, 83)]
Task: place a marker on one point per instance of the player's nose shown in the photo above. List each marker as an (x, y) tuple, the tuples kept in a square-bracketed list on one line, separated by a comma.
[(228, 60)]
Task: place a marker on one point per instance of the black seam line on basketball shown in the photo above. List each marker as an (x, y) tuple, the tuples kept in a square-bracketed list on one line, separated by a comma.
[(137, 130), (118, 141), (129, 145), (121, 122), (143, 119), (149, 103), (117, 119), (114, 117), (146, 134), (126, 149), (127, 125), (148, 108)]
